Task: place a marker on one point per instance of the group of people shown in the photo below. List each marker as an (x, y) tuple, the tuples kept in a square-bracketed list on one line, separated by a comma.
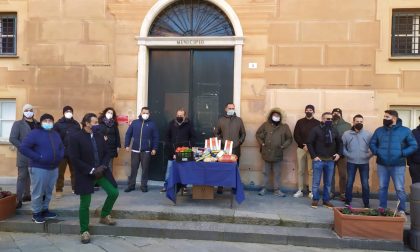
[(46, 148)]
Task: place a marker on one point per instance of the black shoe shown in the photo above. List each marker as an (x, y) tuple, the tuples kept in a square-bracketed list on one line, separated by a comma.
[(219, 190), (366, 206), (144, 189), (129, 189), (18, 204), (26, 198)]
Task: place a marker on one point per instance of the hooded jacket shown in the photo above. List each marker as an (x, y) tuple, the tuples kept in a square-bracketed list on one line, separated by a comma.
[(144, 133), (231, 128), (273, 138), (356, 146), (392, 145)]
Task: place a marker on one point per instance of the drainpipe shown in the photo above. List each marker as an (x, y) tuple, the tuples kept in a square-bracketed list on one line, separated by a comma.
[(415, 217)]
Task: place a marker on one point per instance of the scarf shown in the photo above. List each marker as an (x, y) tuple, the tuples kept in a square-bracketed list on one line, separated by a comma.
[(108, 122), (328, 135)]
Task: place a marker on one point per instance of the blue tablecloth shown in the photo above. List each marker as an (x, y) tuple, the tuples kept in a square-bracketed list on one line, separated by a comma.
[(203, 173)]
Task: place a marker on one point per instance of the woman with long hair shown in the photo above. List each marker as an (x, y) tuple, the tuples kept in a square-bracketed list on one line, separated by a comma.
[(109, 128)]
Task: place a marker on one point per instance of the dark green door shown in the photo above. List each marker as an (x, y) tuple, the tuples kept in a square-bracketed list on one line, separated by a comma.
[(201, 81)]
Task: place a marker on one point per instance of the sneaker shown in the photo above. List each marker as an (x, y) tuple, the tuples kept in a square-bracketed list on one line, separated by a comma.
[(48, 215), (129, 189), (96, 188), (346, 203), (26, 198), (262, 192), (342, 197), (310, 195), (58, 195), (37, 218), (85, 237), (144, 189), (314, 204), (366, 206), (328, 205), (107, 220), (401, 213), (18, 204), (279, 193), (298, 194), (163, 190)]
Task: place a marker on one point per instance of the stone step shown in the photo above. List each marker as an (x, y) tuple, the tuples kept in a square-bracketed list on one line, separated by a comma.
[(197, 230)]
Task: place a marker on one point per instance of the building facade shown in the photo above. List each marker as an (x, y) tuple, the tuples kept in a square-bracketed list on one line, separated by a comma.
[(360, 55)]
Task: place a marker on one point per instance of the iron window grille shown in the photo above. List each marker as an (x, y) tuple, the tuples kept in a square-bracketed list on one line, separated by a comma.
[(405, 32), (7, 34), (191, 18)]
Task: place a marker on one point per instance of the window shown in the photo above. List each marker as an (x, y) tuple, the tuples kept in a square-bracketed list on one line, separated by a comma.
[(405, 32), (7, 34), (409, 115), (7, 117)]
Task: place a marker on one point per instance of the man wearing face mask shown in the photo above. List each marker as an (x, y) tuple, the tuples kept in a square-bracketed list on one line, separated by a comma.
[(341, 126), (20, 130), (414, 159), (273, 136), (325, 146), (66, 126), (356, 150), (145, 135), (90, 156), (45, 150), (180, 133), (230, 127), (300, 134), (392, 144)]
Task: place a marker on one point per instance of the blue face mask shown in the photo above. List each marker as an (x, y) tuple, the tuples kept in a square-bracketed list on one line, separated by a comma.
[(95, 128), (328, 123), (47, 126)]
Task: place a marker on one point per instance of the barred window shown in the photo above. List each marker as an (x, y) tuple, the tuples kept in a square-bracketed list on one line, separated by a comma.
[(8, 33), (405, 32)]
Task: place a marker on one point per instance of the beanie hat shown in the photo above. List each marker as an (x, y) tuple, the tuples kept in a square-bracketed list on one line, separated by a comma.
[(66, 108), (27, 107), (337, 110), (46, 116), (309, 106)]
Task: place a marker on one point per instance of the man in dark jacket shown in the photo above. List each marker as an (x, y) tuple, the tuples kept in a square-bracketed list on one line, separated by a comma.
[(231, 127), (45, 150), (20, 130), (145, 135), (392, 144), (341, 126), (89, 154), (300, 134), (66, 126), (414, 159), (325, 146), (180, 133)]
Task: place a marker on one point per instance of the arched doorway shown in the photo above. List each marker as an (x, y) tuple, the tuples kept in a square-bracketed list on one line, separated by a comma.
[(189, 56)]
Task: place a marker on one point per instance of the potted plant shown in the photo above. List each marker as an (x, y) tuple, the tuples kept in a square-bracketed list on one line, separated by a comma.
[(381, 224), (7, 204)]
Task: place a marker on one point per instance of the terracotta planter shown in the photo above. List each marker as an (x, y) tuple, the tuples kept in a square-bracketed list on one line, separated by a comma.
[(7, 207), (369, 227)]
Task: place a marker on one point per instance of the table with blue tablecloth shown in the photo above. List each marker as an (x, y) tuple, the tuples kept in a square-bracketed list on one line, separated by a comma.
[(205, 173)]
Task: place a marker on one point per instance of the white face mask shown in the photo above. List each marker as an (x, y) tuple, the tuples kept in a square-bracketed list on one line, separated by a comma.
[(275, 118), (145, 116), (28, 114), (230, 112), (108, 115), (68, 115)]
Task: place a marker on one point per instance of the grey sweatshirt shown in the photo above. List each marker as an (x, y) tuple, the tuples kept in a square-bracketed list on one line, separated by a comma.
[(356, 146)]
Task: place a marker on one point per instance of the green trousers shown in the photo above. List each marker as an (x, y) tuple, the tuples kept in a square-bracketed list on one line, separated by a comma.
[(112, 195)]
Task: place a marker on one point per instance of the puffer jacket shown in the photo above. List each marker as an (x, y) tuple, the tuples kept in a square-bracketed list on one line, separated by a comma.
[(273, 138), (144, 133), (392, 145), (414, 158)]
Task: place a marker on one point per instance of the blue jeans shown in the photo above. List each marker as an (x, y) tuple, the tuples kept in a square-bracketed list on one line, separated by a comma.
[(325, 168), (42, 183), (168, 170), (364, 179), (397, 173)]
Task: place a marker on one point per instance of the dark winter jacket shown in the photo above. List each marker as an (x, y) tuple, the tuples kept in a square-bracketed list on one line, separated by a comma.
[(415, 157), (179, 135), (44, 148), (302, 129), (341, 126), (273, 138), (144, 133), (20, 130), (65, 128), (231, 128), (83, 159), (112, 136), (392, 145), (318, 147)]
